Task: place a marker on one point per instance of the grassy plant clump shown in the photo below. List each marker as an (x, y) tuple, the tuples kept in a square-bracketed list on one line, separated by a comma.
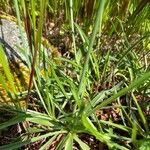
[(82, 81)]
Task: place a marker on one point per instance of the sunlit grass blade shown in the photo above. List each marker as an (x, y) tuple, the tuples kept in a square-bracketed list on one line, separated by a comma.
[(121, 127), (61, 143), (69, 142), (49, 142), (134, 133), (72, 26), (100, 136), (81, 144), (90, 127), (40, 121), (37, 45), (82, 34), (7, 71)]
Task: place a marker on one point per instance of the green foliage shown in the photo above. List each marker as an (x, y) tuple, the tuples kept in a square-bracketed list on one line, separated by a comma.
[(107, 73), (144, 144), (7, 72)]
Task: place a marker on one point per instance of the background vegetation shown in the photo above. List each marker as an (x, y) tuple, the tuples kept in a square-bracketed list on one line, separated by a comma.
[(86, 74)]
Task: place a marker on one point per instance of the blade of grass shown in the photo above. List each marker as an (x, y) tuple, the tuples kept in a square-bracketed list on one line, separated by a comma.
[(37, 47), (14, 120), (7, 71), (16, 145), (61, 144), (97, 24), (74, 92), (20, 30), (130, 48), (69, 142), (72, 27), (101, 96), (122, 127), (93, 58), (143, 118), (49, 142), (90, 127), (59, 83), (105, 138), (134, 133), (81, 144), (133, 85), (40, 96)]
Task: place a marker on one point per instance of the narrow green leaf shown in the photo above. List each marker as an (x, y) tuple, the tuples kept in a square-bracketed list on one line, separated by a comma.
[(130, 48), (15, 146), (69, 142), (141, 114), (134, 133), (119, 126), (59, 83), (72, 26), (13, 121), (6, 68), (133, 85), (61, 144), (104, 138), (39, 121), (97, 26), (101, 96), (81, 144), (19, 144), (82, 34), (90, 127), (43, 147), (74, 92)]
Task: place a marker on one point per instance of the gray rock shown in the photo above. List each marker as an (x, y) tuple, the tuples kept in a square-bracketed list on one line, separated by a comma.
[(11, 40)]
